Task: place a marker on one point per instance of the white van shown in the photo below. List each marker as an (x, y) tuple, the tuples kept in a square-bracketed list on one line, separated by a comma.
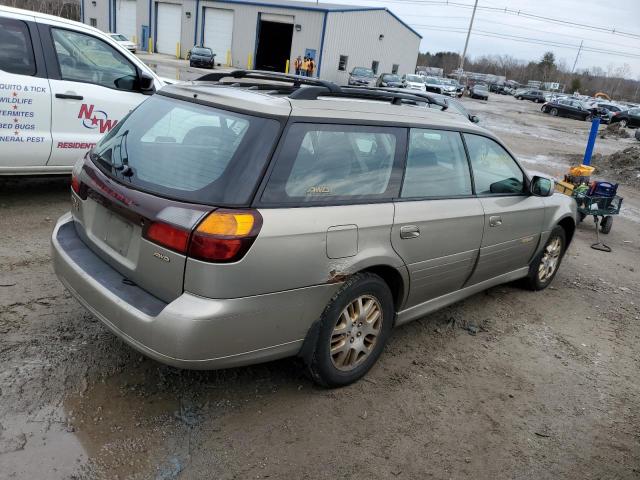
[(63, 85)]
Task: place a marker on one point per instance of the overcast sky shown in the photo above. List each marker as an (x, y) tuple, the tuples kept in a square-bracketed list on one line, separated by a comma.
[(622, 15)]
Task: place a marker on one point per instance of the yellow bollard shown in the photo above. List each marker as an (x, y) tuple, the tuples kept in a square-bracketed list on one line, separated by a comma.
[(228, 58), (134, 39), (286, 68), (249, 62), (150, 45), (178, 50)]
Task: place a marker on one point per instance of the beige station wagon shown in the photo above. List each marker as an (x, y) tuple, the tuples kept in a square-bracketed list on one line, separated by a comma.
[(253, 216)]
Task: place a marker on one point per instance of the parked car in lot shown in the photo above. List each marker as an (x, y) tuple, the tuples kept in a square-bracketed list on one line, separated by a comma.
[(414, 82), (479, 90), (607, 110), (63, 85), (434, 85), (202, 57), (124, 41), (218, 226), (389, 80), (536, 96), (457, 88), (627, 118), (362, 76), (566, 107)]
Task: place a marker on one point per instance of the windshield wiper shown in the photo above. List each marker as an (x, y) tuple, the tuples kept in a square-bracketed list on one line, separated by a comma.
[(123, 167)]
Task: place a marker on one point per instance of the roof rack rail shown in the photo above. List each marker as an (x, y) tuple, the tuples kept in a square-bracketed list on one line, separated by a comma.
[(370, 93), (296, 80)]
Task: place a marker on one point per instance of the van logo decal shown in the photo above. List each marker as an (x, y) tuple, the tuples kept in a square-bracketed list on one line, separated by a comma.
[(92, 118), (161, 256)]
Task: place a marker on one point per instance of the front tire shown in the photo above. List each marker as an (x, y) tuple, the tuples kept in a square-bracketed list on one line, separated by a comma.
[(544, 267), (554, 112), (606, 223), (623, 123), (353, 330)]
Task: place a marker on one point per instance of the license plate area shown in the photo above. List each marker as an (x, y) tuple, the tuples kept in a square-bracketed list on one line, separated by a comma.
[(118, 234)]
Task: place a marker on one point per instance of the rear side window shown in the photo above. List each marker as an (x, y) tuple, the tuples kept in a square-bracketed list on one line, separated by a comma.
[(436, 165), (494, 170), (329, 163), (188, 151), (16, 50)]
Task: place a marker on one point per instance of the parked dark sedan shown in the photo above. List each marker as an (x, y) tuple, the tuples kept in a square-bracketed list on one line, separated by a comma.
[(567, 107), (362, 76), (628, 118), (202, 57), (533, 95), (389, 80)]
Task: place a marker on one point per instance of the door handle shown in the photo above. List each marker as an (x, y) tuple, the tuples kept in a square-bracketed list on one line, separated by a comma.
[(495, 221), (69, 96), (409, 231)]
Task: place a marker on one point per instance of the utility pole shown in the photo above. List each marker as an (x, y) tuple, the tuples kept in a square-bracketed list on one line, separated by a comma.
[(578, 54), (466, 43)]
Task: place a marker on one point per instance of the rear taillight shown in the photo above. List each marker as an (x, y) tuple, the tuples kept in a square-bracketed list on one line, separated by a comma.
[(75, 176), (168, 236), (225, 235)]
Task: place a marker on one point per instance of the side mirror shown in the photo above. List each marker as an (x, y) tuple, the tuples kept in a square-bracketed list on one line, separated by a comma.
[(541, 186), (146, 84), (474, 119)]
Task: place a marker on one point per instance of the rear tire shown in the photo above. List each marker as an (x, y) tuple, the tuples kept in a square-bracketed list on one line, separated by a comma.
[(554, 112), (623, 123), (545, 265), (606, 223), (353, 330)]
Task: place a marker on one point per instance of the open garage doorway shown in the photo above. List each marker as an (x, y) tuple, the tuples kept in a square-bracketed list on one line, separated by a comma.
[(274, 42)]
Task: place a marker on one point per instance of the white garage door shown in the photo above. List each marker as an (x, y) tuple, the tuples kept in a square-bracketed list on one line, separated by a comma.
[(168, 27), (126, 18), (218, 32)]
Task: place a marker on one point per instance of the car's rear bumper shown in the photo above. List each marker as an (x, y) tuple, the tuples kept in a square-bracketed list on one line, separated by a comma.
[(191, 331)]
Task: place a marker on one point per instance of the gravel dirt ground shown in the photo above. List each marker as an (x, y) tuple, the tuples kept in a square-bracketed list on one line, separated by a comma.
[(547, 387)]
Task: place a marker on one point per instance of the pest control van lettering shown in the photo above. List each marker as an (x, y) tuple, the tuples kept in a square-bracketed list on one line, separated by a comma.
[(18, 122), (95, 119)]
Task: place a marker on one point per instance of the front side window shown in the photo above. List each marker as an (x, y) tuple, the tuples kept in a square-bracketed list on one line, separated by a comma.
[(16, 51), (494, 170), (436, 165), (188, 151), (84, 58), (342, 63), (329, 163)]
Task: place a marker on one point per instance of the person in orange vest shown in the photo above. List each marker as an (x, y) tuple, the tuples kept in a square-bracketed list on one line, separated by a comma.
[(297, 64), (305, 66), (311, 66)]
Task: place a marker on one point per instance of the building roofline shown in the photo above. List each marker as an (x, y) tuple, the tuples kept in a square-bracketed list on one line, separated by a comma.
[(320, 8)]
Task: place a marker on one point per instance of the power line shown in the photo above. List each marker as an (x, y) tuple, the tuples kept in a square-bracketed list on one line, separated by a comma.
[(521, 27), (535, 41), (518, 13)]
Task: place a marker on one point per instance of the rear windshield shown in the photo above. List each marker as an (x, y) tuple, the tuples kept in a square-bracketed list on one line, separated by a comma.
[(188, 151)]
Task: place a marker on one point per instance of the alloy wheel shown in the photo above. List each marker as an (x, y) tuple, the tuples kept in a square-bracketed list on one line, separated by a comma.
[(356, 332), (550, 259)]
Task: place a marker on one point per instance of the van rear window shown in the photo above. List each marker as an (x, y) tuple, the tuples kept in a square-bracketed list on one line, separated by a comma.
[(188, 151)]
